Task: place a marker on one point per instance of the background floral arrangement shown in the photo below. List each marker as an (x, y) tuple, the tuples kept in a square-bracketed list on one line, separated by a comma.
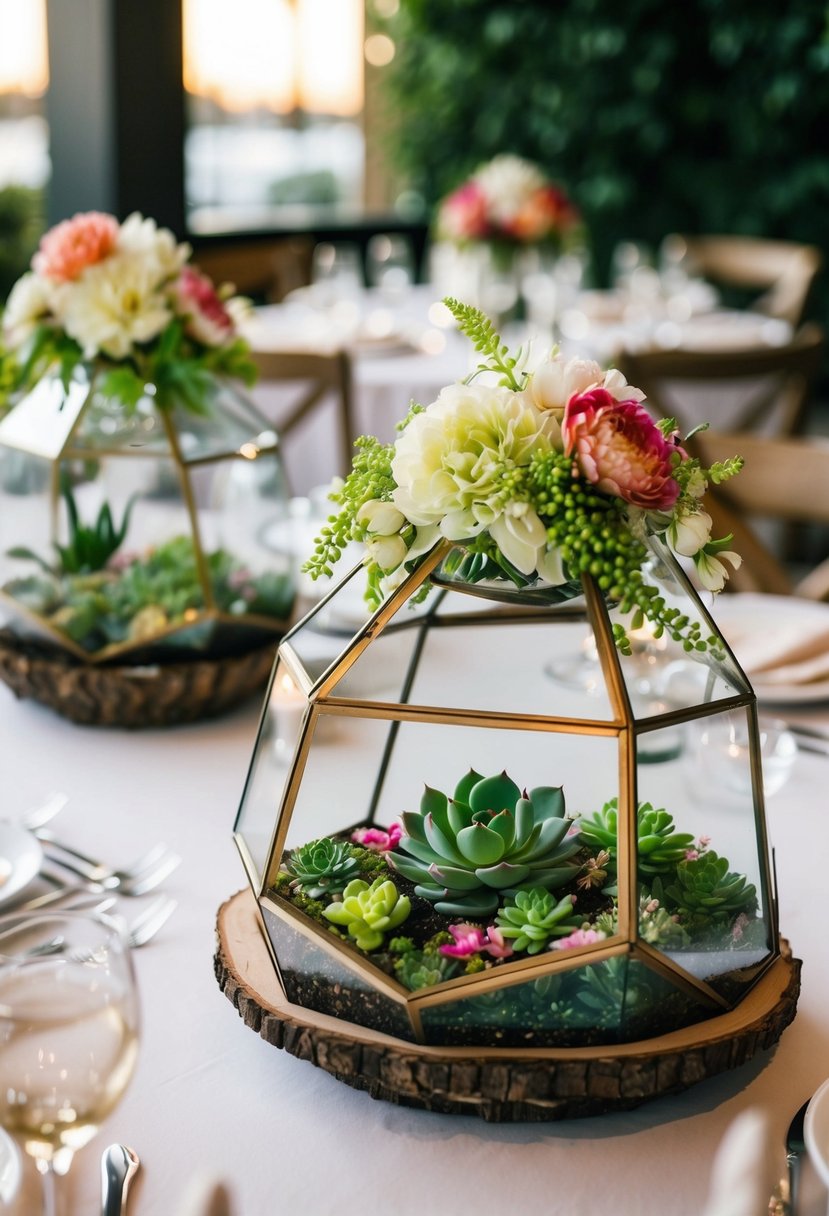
[(508, 200), (539, 477), (123, 297)]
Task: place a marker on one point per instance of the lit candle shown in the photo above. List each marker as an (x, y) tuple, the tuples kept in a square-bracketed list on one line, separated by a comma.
[(288, 705)]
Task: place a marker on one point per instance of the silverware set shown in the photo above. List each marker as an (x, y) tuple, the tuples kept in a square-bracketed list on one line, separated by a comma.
[(80, 881)]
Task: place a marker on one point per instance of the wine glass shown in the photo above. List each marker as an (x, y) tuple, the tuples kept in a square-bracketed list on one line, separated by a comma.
[(68, 1033)]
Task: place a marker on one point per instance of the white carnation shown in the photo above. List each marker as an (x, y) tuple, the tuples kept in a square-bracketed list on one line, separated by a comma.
[(156, 247), (113, 306), (28, 304), (507, 181)]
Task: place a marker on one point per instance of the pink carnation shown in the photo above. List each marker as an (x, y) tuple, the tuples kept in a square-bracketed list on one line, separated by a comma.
[(619, 448), (579, 937), (470, 939), (67, 249), (376, 839), (195, 298)]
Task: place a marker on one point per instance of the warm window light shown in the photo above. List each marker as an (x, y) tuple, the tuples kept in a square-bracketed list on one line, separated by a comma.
[(24, 60), (278, 54)]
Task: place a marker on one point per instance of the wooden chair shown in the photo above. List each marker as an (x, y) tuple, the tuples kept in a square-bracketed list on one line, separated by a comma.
[(770, 386), (319, 377), (784, 479), (783, 272), (265, 271)]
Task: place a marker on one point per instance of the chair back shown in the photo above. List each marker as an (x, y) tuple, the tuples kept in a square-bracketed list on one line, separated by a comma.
[(784, 479), (266, 271), (782, 271), (770, 387), (320, 376)]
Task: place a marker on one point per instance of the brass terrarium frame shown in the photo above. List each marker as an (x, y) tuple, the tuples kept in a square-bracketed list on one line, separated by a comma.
[(42, 437), (622, 725)]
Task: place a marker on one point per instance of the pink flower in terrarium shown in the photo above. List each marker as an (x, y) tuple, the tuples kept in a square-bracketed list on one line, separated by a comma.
[(67, 249), (122, 560), (471, 939), (579, 937), (239, 579), (376, 839), (620, 449), (196, 300)]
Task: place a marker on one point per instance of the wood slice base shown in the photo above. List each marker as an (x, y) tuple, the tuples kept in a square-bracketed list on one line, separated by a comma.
[(132, 697), (498, 1084)]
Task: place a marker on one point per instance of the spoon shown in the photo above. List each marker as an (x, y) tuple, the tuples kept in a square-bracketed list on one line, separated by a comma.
[(119, 1164)]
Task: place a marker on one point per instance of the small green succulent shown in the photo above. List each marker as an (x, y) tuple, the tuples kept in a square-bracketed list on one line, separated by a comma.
[(705, 888), (533, 916), (369, 911), (423, 968), (657, 926), (659, 848), (323, 867), (487, 840)]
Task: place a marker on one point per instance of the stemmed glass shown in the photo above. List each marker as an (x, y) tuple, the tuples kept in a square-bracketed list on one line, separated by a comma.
[(69, 1026)]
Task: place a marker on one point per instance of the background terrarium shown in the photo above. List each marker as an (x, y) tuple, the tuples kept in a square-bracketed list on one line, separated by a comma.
[(140, 489), (494, 830)]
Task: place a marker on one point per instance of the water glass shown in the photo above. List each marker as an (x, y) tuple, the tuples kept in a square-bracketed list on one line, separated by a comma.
[(720, 749), (390, 264), (69, 1026)]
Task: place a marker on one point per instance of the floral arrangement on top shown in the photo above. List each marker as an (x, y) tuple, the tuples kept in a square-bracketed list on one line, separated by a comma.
[(539, 478), (123, 297), (508, 200)]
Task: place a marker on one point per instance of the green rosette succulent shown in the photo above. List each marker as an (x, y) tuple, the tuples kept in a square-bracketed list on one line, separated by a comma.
[(659, 847), (466, 852), (323, 867), (424, 968), (705, 889), (369, 911), (533, 916)]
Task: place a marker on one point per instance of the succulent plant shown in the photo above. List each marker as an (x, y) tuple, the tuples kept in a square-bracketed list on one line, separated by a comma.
[(487, 840), (659, 848), (705, 888), (423, 968), (533, 916), (323, 867), (369, 911)]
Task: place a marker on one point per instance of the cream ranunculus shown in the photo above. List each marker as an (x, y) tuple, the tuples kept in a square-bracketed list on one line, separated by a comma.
[(556, 380), (451, 460), (28, 304), (113, 306), (688, 534)]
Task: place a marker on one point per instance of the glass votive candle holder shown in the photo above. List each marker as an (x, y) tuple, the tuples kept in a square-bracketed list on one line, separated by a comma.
[(720, 751)]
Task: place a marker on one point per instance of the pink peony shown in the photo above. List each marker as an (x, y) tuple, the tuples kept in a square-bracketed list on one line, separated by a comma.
[(67, 249), (195, 298), (619, 448), (470, 939), (376, 839), (463, 216)]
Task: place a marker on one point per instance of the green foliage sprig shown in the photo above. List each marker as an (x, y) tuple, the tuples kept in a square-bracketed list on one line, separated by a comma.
[(480, 330)]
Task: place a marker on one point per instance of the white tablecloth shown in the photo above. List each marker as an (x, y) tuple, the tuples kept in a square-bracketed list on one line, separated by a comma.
[(210, 1096)]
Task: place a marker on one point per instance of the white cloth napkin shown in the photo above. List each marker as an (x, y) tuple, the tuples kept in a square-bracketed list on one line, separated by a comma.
[(745, 1168), (787, 651)]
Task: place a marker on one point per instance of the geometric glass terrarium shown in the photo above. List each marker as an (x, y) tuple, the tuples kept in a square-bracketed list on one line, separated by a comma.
[(449, 844), (141, 533)]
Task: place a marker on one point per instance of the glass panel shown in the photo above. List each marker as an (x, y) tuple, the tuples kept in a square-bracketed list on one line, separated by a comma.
[(42, 421), (614, 1001), (227, 424), (701, 882), (270, 767), (278, 142), (315, 979)]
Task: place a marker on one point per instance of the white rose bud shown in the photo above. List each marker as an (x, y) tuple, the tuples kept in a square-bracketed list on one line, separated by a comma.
[(381, 518), (387, 552), (688, 534)]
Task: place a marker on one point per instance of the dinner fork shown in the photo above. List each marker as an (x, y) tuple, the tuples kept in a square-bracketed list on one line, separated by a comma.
[(140, 930), (153, 866), (124, 882)]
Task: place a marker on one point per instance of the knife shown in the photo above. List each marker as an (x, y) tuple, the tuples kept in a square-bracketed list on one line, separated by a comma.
[(795, 1148), (119, 1164)]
